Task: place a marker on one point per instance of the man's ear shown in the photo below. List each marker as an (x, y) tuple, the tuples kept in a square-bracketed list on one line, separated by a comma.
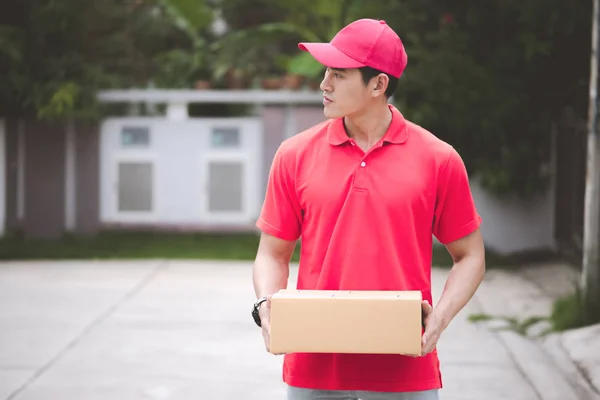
[(381, 83)]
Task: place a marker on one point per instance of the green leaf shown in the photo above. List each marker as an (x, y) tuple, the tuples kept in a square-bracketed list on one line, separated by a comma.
[(62, 103), (190, 14), (305, 64), (480, 317), (276, 29)]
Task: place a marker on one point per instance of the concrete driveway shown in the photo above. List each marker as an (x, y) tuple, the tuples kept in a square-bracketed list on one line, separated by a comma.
[(125, 330)]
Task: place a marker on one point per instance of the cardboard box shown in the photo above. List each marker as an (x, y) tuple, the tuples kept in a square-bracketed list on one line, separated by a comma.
[(368, 322)]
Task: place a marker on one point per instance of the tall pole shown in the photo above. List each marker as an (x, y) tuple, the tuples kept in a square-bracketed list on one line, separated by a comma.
[(590, 281)]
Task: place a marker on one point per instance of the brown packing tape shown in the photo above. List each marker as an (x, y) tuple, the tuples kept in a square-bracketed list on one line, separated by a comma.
[(369, 322)]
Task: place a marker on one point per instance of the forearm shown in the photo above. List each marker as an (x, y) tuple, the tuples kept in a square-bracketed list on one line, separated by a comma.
[(462, 283), (269, 275)]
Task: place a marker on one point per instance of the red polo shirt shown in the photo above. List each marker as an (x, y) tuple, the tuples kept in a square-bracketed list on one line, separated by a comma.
[(366, 221)]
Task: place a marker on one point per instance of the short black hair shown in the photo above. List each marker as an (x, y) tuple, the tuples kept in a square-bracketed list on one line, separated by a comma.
[(369, 73)]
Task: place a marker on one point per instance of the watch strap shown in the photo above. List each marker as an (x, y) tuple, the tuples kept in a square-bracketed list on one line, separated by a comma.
[(256, 308)]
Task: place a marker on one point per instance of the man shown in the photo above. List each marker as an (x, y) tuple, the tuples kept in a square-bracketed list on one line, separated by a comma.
[(366, 190)]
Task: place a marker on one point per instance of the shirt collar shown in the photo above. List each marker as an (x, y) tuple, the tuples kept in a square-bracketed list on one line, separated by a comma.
[(397, 132)]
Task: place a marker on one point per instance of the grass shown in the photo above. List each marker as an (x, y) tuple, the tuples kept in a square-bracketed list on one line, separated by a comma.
[(153, 244), (568, 312), (140, 245), (482, 317), (510, 323), (134, 245)]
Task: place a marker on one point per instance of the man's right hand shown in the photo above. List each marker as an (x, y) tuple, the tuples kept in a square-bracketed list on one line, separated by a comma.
[(265, 321)]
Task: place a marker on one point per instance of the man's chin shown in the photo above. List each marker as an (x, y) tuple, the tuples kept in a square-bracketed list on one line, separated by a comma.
[(332, 114)]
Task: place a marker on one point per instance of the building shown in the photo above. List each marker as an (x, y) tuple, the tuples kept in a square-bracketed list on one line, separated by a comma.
[(175, 172)]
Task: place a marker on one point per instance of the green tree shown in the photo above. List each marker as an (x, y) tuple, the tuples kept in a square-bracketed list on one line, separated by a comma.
[(491, 77), (56, 54), (488, 77)]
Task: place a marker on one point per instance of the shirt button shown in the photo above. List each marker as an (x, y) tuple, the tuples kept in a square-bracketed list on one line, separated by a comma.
[(362, 164)]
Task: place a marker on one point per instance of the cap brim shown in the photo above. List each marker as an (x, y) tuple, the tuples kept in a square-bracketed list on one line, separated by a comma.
[(329, 56)]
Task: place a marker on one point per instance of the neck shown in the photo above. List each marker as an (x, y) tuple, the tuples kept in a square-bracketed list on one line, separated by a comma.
[(369, 126)]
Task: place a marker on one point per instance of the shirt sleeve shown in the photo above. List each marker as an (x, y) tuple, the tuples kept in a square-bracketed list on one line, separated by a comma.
[(281, 214), (455, 215)]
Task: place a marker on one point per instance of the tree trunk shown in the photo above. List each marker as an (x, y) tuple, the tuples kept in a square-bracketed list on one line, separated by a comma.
[(591, 257)]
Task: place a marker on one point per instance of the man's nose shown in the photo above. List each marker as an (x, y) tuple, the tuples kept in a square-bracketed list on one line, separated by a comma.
[(326, 84)]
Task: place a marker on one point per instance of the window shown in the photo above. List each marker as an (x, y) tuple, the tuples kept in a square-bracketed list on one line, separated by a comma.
[(135, 136), (225, 137)]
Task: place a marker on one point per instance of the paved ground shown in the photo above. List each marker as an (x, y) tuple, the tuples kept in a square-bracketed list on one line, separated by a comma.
[(182, 330), (559, 365)]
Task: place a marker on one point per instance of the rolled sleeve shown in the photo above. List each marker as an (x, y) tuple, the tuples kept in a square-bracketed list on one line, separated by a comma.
[(281, 214), (456, 215)]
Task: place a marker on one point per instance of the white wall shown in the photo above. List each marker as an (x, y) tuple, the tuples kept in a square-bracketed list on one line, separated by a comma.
[(511, 225)]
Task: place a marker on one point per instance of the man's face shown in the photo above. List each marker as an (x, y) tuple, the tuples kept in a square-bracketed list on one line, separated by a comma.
[(344, 92)]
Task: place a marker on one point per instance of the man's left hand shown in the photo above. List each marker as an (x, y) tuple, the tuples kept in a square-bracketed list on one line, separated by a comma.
[(432, 329)]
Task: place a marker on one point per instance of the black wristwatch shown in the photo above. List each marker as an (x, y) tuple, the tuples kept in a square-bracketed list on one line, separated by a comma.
[(255, 309)]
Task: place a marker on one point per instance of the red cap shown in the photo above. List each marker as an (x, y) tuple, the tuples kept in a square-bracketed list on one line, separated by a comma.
[(362, 43)]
